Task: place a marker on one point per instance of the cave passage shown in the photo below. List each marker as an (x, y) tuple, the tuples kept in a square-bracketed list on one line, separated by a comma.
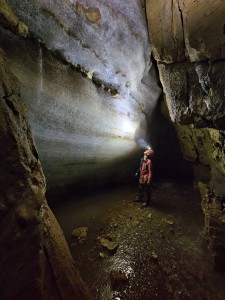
[(162, 251), (86, 80)]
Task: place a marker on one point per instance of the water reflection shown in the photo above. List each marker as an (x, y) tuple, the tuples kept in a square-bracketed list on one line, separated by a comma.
[(162, 253)]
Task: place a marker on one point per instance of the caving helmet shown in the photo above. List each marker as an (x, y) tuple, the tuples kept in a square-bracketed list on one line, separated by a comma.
[(149, 152)]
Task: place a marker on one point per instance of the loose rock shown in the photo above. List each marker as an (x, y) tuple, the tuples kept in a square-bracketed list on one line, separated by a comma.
[(110, 245), (118, 277), (169, 222), (80, 233), (154, 255), (102, 254)]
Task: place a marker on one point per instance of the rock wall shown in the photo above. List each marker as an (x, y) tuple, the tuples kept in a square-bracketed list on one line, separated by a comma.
[(84, 71), (188, 43), (35, 259)]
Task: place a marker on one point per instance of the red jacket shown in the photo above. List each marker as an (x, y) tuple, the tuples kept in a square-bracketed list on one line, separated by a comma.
[(146, 171)]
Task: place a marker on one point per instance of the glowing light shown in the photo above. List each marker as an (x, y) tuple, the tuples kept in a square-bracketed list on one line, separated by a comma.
[(128, 127)]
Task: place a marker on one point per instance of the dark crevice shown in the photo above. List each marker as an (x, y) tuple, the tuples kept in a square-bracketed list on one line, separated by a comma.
[(52, 272), (11, 105), (174, 38), (155, 65), (209, 61), (196, 149), (182, 22), (188, 91)]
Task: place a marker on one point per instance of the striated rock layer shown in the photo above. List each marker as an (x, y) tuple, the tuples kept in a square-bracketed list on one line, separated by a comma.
[(85, 76), (188, 43), (35, 259)]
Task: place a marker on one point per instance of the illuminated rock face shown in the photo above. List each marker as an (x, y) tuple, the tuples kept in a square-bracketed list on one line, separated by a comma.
[(188, 43), (87, 85), (35, 259)]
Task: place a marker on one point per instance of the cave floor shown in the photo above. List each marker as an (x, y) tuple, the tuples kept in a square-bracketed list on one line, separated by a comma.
[(162, 252)]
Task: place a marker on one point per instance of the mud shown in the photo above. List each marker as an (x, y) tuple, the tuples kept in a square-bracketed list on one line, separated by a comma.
[(162, 251)]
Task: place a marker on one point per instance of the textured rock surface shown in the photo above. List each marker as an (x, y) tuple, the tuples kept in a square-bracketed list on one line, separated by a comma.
[(10, 20), (195, 93), (188, 43), (190, 58), (166, 31), (205, 147), (190, 29), (35, 259), (88, 95), (113, 48), (215, 227)]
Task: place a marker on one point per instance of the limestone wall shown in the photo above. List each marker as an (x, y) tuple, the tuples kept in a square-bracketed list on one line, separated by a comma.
[(188, 42), (35, 260), (84, 75)]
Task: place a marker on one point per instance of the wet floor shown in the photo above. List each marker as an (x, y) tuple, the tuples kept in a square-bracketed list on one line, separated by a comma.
[(162, 252)]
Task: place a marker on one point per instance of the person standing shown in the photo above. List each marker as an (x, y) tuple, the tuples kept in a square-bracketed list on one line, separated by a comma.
[(145, 178)]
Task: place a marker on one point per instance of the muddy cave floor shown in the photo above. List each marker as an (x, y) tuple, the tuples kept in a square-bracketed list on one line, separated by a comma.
[(162, 252)]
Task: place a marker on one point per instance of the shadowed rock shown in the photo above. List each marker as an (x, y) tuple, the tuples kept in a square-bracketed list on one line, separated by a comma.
[(35, 259)]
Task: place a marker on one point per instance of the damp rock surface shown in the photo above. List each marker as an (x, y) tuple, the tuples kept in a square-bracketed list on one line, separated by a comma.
[(162, 253)]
